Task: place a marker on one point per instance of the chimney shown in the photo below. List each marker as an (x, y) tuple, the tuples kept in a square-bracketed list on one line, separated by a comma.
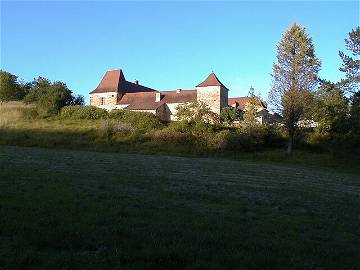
[(136, 82), (157, 97), (178, 91)]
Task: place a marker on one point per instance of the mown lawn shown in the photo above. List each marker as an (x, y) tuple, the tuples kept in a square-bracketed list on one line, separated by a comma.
[(63, 209)]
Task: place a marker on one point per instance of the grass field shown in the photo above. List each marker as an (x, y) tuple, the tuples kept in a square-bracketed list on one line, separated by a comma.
[(63, 209)]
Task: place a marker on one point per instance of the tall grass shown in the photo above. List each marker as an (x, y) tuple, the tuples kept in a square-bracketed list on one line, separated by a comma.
[(13, 112)]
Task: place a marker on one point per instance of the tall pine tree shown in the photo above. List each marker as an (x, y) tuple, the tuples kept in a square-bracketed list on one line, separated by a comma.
[(351, 64), (294, 78)]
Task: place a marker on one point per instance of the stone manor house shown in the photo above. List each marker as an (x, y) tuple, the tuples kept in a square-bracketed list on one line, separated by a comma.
[(115, 92)]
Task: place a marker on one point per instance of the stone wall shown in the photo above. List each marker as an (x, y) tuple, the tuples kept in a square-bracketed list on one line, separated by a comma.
[(104, 100), (216, 97)]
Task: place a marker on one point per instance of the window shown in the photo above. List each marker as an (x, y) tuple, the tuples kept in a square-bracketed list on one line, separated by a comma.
[(102, 101)]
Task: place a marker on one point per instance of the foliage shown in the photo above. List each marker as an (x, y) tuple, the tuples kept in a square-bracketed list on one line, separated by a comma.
[(197, 112), (229, 114), (351, 64), (50, 97), (294, 78), (110, 127), (144, 121), (83, 112), (10, 88), (250, 118), (172, 137), (355, 113), (330, 109)]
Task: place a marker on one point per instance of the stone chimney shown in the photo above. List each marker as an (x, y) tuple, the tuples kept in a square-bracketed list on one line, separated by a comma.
[(157, 97), (136, 82)]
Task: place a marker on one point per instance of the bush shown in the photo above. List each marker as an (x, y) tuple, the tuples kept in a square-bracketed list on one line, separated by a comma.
[(144, 121), (172, 137), (340, 145), (83, 112), (110, 127), (246, 139)]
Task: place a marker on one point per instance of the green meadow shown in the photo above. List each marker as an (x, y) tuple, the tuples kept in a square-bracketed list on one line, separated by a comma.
[(66, 209), (81, 194)]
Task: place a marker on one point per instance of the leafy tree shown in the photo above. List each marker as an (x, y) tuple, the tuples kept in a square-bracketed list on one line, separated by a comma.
[(197, 112), (77, 100), (229, 115), (250, 117), (351, 65), (51, 97), (10, 89), (330, 109), (294, 78)]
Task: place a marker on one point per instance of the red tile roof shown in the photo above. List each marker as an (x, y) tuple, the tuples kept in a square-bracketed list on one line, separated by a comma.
[(211, 80), (241, 101), (110, 82), (140, 101), (114, 81), (146, 100), (178, 96)]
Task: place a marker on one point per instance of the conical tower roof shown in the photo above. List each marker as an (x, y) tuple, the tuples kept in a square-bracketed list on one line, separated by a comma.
[(211, 80)]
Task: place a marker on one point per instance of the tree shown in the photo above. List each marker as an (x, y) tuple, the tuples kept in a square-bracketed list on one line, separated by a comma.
[(294, 78), (197, 112), (355, 113), (250, 117), (330, 109), (51, 97), (351, 65), (10, 89), (229, 115)]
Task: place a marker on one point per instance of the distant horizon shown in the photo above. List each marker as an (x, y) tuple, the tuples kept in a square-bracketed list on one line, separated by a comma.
[(166, 45)]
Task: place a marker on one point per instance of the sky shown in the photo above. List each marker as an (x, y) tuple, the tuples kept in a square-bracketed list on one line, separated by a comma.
[(166, 45)]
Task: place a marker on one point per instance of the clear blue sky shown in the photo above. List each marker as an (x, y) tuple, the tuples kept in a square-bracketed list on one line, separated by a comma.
[(166, 45)]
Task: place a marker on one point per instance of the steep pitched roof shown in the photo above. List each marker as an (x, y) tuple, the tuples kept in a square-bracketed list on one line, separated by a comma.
[(110, 82), (114, 81), (211, 80), (241, 101)]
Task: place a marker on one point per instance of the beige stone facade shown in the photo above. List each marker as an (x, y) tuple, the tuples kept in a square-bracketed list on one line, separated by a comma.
[(213, 96), (104, 100)]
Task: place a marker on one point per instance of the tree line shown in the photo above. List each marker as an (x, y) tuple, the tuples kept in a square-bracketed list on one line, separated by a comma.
[(48, 97)]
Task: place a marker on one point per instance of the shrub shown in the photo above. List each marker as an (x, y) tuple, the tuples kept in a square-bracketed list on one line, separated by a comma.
[(246, 139), (110, 127), (144, 121), (196, 112), (229, 115), (83, 112), (172, 137)]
